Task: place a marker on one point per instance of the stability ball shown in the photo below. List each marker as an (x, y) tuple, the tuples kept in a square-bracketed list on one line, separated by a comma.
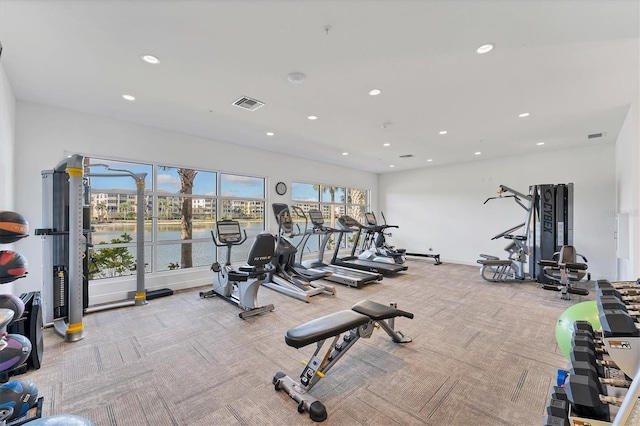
[(583, 311)]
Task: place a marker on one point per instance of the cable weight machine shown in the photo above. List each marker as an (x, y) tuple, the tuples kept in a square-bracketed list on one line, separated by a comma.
[(66, 220)]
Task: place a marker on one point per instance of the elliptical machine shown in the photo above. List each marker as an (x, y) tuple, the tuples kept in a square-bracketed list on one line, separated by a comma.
[(240, 287), (374, 244)]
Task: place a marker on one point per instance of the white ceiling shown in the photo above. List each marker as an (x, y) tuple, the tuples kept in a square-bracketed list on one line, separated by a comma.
[(573, 65)]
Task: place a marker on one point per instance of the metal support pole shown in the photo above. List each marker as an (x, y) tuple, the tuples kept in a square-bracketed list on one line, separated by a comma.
[(141, 295), (77, 243)]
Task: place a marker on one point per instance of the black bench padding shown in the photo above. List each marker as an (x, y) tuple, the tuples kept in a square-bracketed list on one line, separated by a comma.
[(378, 311), (323, 327)]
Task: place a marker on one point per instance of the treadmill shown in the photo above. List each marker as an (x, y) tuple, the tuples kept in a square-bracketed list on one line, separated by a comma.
[(349, 224), (339, 274)]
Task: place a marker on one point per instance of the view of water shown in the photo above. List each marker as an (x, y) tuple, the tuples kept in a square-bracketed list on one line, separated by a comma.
[(203, 252)]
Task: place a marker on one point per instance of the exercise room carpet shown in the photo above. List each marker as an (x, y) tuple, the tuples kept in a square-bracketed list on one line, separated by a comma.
[(482, 354)]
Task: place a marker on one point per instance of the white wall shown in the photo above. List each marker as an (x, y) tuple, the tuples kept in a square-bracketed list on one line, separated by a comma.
[(7, 141), (7, 144), (442, 207), (45, 134), (628, 196)]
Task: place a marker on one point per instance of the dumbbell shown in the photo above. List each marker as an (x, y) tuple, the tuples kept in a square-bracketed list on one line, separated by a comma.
[(597, 341), (557, 410), (606, 289), (618, 323), (621, 284), (586, 326), (585, 354), (584, 394), (555, 421), (613, 302), (583, 368), (557, 413), (581, 338)]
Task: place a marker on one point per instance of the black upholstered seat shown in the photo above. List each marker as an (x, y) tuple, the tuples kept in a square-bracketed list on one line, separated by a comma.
[(326, 326), (378, 311)]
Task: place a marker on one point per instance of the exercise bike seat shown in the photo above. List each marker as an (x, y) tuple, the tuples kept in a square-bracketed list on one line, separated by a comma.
[(378, 311), (323, 327)]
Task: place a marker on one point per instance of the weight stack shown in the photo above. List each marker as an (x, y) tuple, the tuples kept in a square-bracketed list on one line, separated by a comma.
[(31, 326)]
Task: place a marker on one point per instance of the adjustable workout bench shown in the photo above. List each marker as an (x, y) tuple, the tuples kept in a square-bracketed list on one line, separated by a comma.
[(358, 322)]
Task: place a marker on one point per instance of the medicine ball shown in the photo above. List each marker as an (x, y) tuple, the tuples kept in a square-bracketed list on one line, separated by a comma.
[(13, 302), (15, 353), (20, 395), (13, 226), (13, 265)]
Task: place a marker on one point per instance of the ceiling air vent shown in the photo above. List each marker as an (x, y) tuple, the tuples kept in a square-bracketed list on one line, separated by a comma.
[(406, 156), (594, 135), (248, 103)]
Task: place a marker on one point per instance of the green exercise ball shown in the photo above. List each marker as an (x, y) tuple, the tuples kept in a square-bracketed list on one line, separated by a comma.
[(583, 311)]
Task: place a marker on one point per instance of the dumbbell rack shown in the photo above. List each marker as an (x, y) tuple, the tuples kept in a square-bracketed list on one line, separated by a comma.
[(597, 356)]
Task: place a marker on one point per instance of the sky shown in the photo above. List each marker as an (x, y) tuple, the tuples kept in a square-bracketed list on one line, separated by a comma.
[(168, 180)]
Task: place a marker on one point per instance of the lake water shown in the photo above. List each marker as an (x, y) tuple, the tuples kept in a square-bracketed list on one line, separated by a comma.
[(203, 249)]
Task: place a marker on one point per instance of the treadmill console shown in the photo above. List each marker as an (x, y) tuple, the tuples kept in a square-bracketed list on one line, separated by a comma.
[(316, 217), (349, 223), (228, 231)]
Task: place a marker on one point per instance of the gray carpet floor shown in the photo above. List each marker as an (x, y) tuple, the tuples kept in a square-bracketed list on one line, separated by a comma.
[(482, 354)]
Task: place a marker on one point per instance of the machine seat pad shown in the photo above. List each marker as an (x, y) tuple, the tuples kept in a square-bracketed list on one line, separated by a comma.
[(491, 262), (489, 257), (323, 327), (378, 311), (576, 266)]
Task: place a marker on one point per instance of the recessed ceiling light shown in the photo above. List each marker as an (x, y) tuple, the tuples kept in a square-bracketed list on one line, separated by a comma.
[(392, 165), (540, 143), (312, 117), (524, 114), (345, 153), (386, 144), (485, 48), (443, 132), (430, 160), (375, 92), (129, 97), (150, 59), (270, 133), (478, 153)]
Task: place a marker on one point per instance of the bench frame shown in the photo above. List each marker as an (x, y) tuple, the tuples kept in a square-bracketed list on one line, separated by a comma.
[(318, 366)]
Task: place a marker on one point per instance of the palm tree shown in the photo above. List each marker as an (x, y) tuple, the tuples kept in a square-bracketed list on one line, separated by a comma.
[(125, 207), (101, 207), (187, 177)]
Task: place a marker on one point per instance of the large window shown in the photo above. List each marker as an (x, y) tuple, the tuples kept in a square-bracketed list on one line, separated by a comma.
[(181, 206), (333, 202)]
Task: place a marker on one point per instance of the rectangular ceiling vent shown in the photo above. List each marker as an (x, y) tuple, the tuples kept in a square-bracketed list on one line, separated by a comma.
[(595, 135), (248, 103), (406, 156)]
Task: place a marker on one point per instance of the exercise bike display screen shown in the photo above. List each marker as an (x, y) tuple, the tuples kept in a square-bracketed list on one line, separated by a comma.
[(229, 232), (371, 219)]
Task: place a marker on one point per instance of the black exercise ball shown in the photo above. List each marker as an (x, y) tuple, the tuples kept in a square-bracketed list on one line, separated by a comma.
[(20, 395), (15, 353), (13, 265), (13, 226)]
